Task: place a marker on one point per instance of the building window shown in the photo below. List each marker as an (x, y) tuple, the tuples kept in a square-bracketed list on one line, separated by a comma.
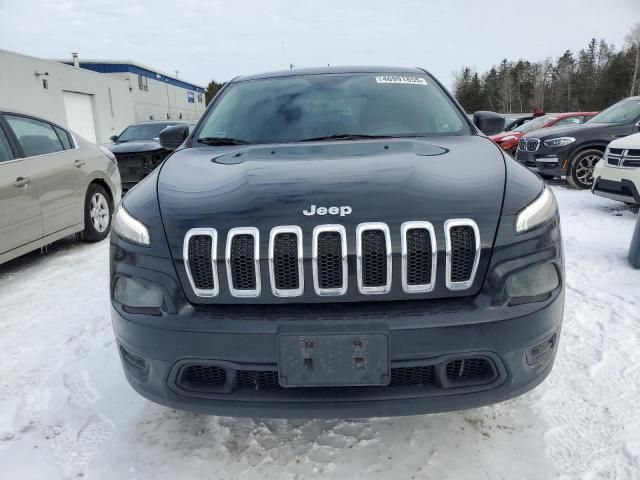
[(199, 98), (143, 83)]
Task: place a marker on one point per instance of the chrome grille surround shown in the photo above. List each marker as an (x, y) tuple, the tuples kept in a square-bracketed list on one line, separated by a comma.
[(319, 229), (448, 225), (342, 272), (623, 158), (254, 232), (291, 292), (529, 144), (210, 232), (404, 229), (363, 227)]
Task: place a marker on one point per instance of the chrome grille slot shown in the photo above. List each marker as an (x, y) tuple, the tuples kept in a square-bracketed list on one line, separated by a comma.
[(373, 249), (243, 262), (199, 255), (285, 261), (419, 257), (463, 253), (330, 260)]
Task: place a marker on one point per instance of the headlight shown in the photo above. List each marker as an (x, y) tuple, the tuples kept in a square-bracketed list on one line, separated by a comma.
[(129, 228), (539, 211), (532, 284), (559, 142)]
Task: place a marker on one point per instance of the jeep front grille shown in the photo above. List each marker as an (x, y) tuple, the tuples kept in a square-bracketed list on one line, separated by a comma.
[(463, 252), (200, 247), (330, 259), (243, 262), (285, 261), (373, 248), (374, 259), (419, 257)]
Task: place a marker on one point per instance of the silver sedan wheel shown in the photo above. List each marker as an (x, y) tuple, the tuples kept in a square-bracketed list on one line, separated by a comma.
[(99, 212), (584, 169)]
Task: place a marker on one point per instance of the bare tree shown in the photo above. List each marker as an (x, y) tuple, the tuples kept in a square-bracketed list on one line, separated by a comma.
[(633, 40)]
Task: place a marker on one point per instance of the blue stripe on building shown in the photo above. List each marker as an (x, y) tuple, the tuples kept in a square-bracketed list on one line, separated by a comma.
[(127, 68)]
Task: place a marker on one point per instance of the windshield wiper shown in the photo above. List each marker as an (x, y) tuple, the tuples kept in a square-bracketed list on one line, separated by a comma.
[(215, 141), (344, 136)]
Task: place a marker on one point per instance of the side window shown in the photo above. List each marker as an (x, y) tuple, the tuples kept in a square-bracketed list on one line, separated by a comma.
[(35, 137), (5, 148), (64, 137), (568, 121)]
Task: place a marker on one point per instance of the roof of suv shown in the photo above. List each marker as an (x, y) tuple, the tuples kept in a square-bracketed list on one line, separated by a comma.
[(327, 70)]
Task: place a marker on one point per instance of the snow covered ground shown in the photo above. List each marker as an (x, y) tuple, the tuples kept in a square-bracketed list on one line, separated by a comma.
[(66, 410)]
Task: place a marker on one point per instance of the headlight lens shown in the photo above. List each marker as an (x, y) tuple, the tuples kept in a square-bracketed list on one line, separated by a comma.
[(559, 142), (129, 228), (539, 211), (533, 283), (133, 293)]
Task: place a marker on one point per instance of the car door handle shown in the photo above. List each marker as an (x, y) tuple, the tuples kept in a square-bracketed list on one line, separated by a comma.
[(22, 182), (79, 163)]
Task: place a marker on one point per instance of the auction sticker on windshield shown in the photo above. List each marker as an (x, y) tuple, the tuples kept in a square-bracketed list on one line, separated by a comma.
[(401, 79)]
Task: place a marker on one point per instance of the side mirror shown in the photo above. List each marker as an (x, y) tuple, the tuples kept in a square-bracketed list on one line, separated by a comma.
[(172, 137), (489, 123), (113, 138)]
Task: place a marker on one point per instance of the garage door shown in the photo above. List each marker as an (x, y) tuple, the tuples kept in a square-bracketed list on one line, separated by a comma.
[(79, 110)]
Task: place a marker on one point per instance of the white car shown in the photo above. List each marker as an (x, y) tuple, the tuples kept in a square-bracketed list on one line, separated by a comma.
[(53, 183), (617, 175)]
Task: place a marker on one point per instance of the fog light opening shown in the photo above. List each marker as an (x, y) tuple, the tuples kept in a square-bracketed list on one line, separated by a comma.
[(533, 284), (541, 352), (135, 364), (136, 295)]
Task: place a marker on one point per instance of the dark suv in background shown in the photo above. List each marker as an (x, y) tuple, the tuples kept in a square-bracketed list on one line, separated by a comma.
[(138, 149), (573, 151)]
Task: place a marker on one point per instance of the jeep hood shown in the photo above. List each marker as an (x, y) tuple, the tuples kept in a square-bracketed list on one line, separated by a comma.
[(389, 181)]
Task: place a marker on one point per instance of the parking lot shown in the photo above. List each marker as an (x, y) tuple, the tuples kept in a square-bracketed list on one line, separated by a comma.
[(68, 411)]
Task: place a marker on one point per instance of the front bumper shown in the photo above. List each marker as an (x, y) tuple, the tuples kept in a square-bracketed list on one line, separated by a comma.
[(545, 161), (155, 350), (618, 184)]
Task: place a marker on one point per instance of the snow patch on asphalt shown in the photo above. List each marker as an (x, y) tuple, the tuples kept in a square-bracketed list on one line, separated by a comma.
[(66, 410)]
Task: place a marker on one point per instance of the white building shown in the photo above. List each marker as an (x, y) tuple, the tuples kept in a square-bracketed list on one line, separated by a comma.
[(95, 99), (156, 95)]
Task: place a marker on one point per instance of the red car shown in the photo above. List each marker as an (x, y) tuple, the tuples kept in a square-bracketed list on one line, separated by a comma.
[(509, 140)]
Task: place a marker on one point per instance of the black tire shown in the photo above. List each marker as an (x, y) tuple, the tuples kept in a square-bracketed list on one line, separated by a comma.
[(97, 214), (580, 174)]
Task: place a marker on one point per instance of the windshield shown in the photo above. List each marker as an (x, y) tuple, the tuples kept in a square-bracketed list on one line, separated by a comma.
[(149, 131), (535, 124), (298, 108), (622, 112)]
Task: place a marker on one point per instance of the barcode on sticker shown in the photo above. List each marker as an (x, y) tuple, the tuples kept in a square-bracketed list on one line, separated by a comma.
[(401, 79)]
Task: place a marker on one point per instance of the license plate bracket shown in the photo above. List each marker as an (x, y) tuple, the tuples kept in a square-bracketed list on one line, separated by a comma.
[(333, 359)]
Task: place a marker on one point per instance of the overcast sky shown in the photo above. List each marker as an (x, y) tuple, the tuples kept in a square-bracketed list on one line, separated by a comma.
[(211, 39)]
